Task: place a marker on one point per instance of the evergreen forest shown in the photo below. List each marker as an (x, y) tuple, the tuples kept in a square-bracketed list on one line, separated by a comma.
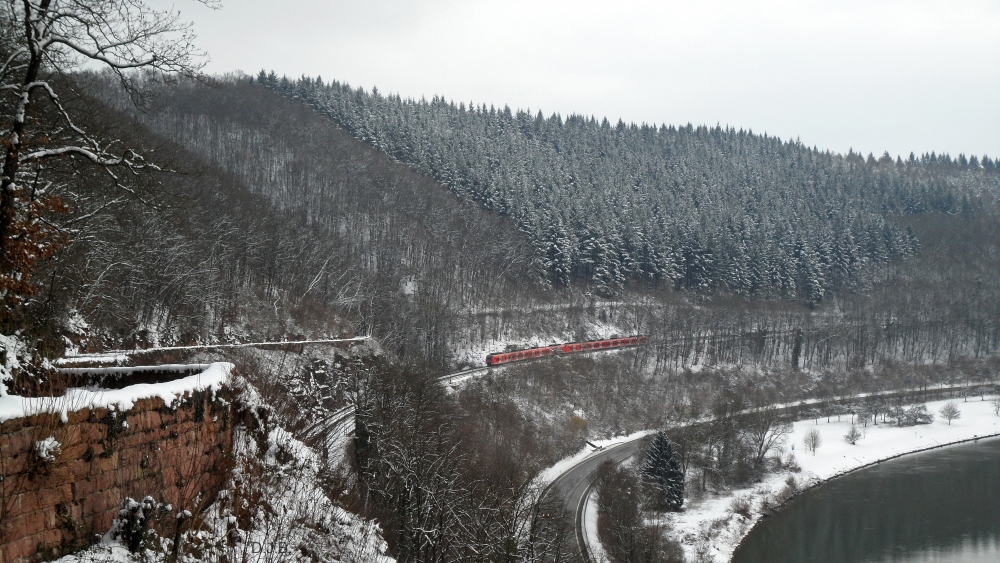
[(613, 205)]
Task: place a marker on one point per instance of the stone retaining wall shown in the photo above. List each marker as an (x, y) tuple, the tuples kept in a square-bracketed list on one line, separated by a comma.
[(49, 506)]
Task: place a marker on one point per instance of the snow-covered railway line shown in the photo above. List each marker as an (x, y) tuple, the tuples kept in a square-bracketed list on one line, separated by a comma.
[(335, 429)]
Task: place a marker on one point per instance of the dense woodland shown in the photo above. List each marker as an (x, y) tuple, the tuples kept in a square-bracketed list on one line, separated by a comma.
[(253, 232), (694, 207), (400, 255), (165, 207), (279, 223), (275, 222)]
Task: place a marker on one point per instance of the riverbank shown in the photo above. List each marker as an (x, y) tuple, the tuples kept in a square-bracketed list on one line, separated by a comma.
[(711, 528)]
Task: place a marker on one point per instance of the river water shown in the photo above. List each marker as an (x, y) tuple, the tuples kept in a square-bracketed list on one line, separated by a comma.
[(940, 506)]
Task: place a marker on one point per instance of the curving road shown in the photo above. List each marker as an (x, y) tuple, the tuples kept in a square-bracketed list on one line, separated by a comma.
[(576, 483)]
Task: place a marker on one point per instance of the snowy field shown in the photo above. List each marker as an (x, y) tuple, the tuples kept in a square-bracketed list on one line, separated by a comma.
[(709, 527)]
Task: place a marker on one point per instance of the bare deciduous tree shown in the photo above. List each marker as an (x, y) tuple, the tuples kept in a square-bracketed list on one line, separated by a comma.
[(40, 42), (765, 429), (812, 440), (950, 412)]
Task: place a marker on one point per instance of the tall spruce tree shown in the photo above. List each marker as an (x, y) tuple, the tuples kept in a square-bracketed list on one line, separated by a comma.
[(662, 471)]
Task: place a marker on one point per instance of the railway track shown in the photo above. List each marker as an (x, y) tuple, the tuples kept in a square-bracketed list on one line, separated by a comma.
[(335, 428)]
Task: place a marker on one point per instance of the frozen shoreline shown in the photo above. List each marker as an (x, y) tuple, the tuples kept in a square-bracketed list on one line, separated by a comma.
[(709, 526)]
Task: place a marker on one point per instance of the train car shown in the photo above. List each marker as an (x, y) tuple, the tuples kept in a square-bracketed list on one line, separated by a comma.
[(569, 348)]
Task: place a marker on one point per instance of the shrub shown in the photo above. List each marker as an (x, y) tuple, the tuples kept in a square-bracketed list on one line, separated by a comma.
[(741, 506), (853, 435), (950, 412)]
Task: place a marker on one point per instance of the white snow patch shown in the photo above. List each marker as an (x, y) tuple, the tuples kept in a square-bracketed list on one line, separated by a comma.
[(77, 398), (11, 348), (590, 529), (111, 358), (107, 551), (48, 449), (115, 355)]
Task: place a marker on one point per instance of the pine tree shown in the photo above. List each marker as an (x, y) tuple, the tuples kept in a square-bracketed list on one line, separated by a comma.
[(663, 472)]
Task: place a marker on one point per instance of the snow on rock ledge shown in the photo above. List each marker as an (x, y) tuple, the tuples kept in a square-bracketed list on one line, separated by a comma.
[(212, 379)]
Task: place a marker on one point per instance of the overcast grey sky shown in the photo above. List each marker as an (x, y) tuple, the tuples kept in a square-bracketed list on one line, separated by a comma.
[(869, 74)]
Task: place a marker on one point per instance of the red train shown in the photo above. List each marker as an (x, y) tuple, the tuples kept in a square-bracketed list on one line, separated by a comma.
[(527, 354)]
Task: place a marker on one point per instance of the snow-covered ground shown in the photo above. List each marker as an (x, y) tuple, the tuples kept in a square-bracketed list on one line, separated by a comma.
[(710, 526), (590, 526)]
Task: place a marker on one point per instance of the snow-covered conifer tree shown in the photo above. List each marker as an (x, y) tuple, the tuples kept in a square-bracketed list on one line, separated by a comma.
[(662, 471)]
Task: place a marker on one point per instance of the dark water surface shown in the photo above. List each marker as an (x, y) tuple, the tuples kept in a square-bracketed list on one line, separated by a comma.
[(941, 506)]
